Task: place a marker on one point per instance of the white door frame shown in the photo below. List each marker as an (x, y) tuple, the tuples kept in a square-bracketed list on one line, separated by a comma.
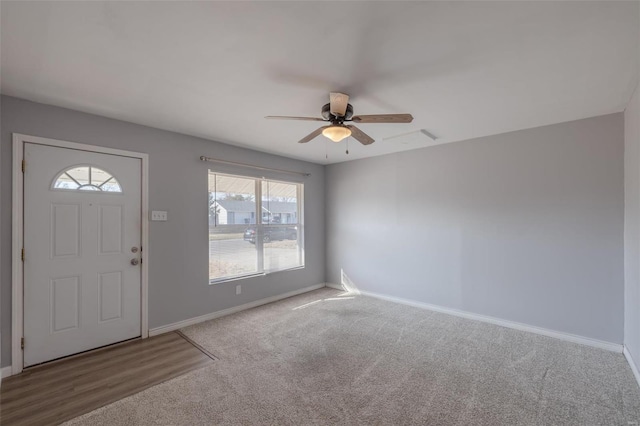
[(17, 285)]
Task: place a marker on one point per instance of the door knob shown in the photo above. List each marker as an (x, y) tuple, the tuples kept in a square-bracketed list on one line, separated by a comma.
[(134, 262)]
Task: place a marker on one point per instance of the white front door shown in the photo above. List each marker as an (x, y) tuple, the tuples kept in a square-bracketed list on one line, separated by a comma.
[(82, 233)]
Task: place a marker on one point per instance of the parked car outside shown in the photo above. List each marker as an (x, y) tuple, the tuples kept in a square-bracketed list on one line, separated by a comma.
[(275, 233)]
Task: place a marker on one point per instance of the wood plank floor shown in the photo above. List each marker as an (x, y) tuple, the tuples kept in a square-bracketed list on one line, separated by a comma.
[(61, 390)]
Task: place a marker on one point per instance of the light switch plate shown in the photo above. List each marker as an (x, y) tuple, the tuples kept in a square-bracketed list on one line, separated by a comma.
[(158, 216)]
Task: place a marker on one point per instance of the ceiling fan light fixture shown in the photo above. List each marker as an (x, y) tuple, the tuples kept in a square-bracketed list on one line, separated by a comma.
[(336, 133)]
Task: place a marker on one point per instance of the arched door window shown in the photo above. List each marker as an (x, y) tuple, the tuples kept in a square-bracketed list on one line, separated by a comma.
[(86, 178)]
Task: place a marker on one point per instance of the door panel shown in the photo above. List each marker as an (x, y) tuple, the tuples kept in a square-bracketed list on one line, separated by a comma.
[(110, 296), (82, 217), (110, 229), (65, 230), (65, 303)]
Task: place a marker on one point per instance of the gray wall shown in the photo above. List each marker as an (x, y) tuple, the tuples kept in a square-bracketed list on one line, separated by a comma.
[(178, 252), (632, 226), (525, 226)]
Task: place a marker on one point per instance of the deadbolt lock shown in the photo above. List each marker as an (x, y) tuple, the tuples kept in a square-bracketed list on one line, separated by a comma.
[(134, 249)]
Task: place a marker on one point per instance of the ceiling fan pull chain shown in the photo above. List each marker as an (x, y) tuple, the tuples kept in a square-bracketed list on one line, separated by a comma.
[(347, 146)]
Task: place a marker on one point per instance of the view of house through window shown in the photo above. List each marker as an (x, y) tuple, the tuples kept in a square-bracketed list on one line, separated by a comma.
[(254, 226)]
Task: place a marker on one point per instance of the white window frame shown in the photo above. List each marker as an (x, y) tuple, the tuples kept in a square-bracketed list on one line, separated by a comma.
[(260, 227)]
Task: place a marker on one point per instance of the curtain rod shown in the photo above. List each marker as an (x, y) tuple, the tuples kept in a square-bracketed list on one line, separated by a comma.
[(215, 160)]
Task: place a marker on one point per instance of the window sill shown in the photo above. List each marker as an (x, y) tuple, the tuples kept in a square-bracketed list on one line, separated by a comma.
[(261, 274), (293, 268)]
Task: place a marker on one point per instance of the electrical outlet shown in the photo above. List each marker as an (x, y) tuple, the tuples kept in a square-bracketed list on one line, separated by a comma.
[(238, 289), (158, 216)]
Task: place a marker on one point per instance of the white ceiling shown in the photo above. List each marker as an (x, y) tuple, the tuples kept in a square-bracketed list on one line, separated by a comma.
[(215, 69)]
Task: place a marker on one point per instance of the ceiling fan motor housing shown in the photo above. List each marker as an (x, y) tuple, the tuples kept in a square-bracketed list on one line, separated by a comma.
[(326, 114)]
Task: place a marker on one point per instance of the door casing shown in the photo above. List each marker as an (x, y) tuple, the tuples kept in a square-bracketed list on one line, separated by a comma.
[(17, 230)]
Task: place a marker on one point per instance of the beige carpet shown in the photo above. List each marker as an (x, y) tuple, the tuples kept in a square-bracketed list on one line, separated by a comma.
[(327, 357)]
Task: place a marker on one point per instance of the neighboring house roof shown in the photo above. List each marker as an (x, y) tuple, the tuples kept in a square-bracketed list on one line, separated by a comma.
[(280, 207), (250, 206), (237, 206)]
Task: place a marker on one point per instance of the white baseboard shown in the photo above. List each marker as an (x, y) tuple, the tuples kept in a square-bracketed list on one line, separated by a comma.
[(185, 323), (614, 347), (5, 372), (632, 364)]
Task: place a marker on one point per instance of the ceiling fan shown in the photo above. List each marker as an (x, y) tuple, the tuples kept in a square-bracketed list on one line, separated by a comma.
[(338, 112)]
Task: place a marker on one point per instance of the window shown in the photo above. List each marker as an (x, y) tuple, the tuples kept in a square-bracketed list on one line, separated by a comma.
[(86, 178), (255, 226)]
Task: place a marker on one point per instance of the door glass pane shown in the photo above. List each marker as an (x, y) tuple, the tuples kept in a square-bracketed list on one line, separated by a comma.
[(86, 178)]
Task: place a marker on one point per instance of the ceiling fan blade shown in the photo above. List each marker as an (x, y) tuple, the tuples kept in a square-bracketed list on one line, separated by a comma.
[(338, 103), (361, 136), (312, 135), (285, 117), (383, 118)]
